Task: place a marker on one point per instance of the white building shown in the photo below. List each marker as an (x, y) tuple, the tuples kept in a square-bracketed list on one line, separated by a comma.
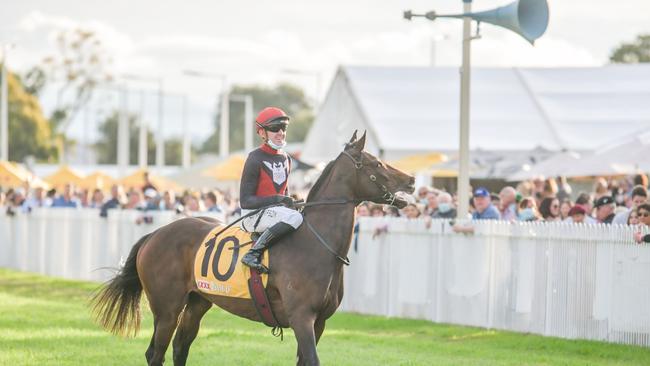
[(514, 111)]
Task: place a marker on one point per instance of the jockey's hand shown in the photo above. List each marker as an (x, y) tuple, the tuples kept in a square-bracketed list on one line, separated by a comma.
[(287, 201)]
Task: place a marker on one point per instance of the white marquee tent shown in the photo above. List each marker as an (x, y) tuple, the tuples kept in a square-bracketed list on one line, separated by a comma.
[(412, 110)]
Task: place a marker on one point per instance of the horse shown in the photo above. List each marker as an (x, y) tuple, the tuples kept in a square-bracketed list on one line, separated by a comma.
[(305, 284)]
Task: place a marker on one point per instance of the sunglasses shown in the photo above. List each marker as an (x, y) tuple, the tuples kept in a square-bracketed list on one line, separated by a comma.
[(643, 214), (277, 128)]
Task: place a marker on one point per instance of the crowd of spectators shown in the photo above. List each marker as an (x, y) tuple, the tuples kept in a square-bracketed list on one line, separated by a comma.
[(615, 201), (145, 198)]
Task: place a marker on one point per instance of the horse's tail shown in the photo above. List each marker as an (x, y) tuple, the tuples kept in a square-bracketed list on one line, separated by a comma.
[(116, 306)]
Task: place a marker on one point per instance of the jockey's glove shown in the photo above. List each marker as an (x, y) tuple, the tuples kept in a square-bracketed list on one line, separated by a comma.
[(287, 201)]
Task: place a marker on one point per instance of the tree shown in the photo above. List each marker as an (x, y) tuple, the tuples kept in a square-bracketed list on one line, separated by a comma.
[(286, 96), (80, 64), (631, 53), (29, 130), (106, 147)]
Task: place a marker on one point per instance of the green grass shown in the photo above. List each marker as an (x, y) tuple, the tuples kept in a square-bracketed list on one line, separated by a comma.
[(45, 321)]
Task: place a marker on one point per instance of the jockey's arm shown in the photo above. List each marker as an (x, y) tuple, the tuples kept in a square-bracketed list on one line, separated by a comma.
[(248, 199)]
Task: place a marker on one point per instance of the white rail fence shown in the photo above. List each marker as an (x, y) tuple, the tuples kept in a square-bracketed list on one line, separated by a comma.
[(570, 281), (563, 280)]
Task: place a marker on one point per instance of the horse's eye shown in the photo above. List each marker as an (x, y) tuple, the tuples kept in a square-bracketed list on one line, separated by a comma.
[(379, 165)]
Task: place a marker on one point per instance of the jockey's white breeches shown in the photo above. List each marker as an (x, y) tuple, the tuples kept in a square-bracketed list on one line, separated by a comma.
[(269, 217)]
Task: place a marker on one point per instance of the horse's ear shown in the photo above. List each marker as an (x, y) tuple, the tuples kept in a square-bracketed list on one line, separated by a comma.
[(354, 137), (361, 143)]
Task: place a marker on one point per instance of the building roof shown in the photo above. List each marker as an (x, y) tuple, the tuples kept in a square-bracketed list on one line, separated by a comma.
[(417, 108)]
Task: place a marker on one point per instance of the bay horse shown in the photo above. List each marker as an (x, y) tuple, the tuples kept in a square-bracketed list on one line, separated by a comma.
[(305, 285)]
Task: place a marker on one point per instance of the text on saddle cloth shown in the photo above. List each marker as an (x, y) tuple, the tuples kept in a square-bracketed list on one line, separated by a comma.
[(217, 266)]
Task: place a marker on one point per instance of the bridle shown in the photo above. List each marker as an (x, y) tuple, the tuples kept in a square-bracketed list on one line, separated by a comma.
[(388, 197)]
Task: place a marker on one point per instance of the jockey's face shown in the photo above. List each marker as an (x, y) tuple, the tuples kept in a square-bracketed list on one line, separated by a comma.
[(276, 137)]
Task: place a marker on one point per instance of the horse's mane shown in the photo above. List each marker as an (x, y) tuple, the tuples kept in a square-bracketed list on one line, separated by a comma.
[(319, 182)]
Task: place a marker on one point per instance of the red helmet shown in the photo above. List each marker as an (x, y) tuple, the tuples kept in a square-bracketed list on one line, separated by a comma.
[(270, 116)]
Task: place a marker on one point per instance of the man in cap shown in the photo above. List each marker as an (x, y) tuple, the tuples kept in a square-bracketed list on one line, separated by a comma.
[(263, 183), (485, 210), (605, 206)]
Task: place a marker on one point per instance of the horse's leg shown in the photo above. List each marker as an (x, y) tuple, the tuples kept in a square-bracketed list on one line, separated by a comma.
[(149, 354), (302, 324), (319, 327), (166, 320), (189, 326)]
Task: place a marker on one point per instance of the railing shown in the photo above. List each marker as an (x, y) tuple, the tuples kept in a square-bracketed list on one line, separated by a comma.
[(74, 243), (564, 280)]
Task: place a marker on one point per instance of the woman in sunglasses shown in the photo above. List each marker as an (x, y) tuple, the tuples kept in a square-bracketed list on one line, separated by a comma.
[(263, 183), (643, 215)]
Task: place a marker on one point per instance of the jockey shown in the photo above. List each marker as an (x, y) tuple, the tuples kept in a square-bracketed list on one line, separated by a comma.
[(263, 183)]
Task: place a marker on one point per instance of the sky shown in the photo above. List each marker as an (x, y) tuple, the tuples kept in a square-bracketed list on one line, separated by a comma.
[(255, 42)]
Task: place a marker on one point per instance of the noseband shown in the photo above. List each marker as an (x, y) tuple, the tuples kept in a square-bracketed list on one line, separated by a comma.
[(358, 164)]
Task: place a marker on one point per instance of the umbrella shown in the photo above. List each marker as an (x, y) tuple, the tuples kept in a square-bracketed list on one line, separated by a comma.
[(64, 176), (228, 170), (97, 180), (418, 163), (136, 180), (13, 175)]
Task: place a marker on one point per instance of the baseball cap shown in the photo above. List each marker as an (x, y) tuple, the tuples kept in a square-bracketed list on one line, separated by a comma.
[(481, 192), (577, 209), (150, 193), (604, 200)]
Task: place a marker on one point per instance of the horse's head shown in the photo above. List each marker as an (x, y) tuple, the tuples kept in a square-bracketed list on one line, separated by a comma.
[(376, 180)]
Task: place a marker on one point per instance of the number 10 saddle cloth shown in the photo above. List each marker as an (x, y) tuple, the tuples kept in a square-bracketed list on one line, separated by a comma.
[(217, 266)]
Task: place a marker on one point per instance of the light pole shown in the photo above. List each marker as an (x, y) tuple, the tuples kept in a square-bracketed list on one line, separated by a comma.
[(247, 99), (187, 151), (529, 19), (160, 137), (434, 46), (224, 121), (4, 105)]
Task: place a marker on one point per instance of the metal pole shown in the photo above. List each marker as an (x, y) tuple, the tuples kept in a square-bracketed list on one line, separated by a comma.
[(186, 136), (248, 120), (4, 107), (142, 138), (224, 126), (160, 139), (123, 135), (463, 151)]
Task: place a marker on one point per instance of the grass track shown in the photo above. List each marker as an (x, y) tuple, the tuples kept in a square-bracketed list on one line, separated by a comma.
[(45, 321)]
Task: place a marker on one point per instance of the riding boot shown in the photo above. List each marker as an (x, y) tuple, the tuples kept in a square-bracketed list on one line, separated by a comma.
[(268, 238)]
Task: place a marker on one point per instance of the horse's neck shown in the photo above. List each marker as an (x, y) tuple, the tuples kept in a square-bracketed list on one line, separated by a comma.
[(334, 222)]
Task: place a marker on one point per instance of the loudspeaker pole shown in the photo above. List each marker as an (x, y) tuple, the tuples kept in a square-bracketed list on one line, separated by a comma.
[(463, 151)]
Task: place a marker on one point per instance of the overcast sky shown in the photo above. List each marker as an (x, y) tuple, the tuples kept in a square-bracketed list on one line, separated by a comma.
[(253, 41)]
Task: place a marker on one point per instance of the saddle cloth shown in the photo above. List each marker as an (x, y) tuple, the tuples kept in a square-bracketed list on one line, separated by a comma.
[(217, 265)]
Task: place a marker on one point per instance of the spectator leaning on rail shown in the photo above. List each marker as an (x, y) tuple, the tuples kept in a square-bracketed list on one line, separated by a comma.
[(446, 209), (508, 198), (605, 206), (584, 201), (644, 222), (639, 196), (577, 215), (67, 199), (485, 210)]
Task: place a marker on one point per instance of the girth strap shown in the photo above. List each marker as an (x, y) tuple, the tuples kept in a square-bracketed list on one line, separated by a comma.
[(262, 304)]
